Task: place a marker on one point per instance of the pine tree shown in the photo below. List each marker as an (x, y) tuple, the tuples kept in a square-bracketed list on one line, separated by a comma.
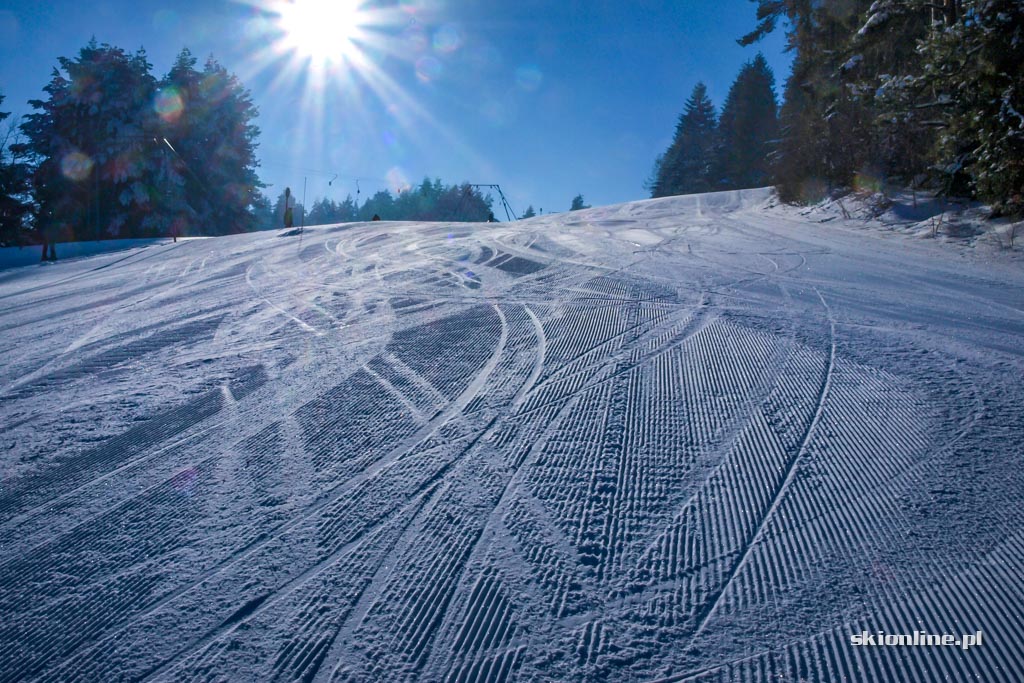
[(179, 106), (577, 203), (89, 139), (429, 201), (219, 146), (465, 203), (529, 213), (800, 165), (881, 67), (382, 204), (348, 211), (14, 188), (975, 67), (685, 167), (824, 127), (263, 212), (206, 117), (747, 129), (319, 212), (897, 91)]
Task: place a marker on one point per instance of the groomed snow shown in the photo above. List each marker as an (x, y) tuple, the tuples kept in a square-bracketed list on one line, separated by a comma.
[(14, 257), (694, 438)]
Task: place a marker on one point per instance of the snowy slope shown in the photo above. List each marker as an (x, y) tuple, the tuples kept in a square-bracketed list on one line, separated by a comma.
[(15, 257), (682, 439)]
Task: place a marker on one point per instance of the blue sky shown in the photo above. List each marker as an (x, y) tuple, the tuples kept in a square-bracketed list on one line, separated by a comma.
[(548, 99)]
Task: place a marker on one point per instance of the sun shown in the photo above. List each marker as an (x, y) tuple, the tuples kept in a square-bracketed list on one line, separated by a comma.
[(339, 69), (322, 30)]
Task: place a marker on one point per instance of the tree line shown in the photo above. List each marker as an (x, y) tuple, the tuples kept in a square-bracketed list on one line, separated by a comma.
[(431, 200), (883, 93), (711, 152)]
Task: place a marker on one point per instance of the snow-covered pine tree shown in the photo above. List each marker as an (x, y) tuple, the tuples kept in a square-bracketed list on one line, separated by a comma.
[(94, 174), (685, 167), (178, 106), (229, 160), (530, 212), (881, 62), (893, 90), (974, 67), (208, 118), (46, 145)]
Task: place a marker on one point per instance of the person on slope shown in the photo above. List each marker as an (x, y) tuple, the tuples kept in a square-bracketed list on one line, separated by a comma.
[(49, 244), (289, 216)]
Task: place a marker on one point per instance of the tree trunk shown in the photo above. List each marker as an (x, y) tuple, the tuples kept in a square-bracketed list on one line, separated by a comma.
[(952, 11)]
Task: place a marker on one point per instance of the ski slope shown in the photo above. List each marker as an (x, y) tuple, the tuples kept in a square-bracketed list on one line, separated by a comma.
[(689, 439)]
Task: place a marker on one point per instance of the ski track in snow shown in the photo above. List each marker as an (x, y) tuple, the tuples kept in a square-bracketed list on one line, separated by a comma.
[(682, 440)]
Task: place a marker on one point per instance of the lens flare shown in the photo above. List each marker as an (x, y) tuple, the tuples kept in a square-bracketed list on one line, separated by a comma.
[(865, 181), (529, 78), (413, 7), (184, 482), (416, 38), (447, 39), (397, 180), (428, 69), (168, 104), (214, 87), (498, 113), (166, 21), (76, 166)]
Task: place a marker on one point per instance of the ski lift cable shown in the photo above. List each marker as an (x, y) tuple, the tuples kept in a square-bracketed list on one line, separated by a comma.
[(321, 172)]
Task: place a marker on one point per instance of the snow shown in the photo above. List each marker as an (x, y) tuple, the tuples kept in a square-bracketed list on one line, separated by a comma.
[(852, 63), (14, 257), (1008, 106), (876, 20), (692, 438), (963, 225)]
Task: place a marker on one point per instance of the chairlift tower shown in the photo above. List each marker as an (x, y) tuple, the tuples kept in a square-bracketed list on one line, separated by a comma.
[(509, 213)]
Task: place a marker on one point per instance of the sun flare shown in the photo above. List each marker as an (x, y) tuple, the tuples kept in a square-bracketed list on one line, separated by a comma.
[(322, 30), (342, 70)]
